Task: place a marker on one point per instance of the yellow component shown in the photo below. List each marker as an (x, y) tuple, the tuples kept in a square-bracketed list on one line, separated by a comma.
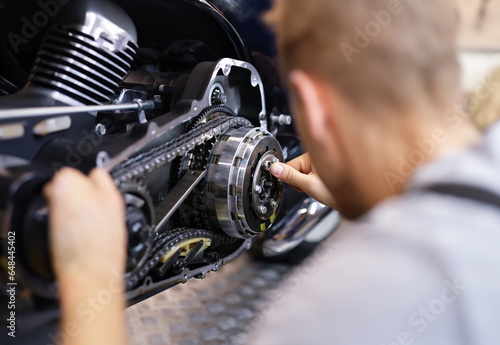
[(186, 247), (273, 217), (263, 227)]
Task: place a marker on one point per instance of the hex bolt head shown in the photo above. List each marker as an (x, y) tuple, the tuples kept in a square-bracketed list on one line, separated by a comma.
[(100, 129), (258, 189), (262, 209), (223, 98), (274, 204)]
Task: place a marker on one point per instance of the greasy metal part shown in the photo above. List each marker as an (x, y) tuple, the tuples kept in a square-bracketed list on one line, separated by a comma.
[(177, 196), (100, 129), (282, 120), (168, 242), (64, 110), (197, 158), (142, 114), (222, 67), (234, 175), (127, 169), (84, 63), (294, 228), (266, 196), (155, 158), (150, 160), (148, 288), (109, 35), (140, 221), (259, 149), (217, 95)]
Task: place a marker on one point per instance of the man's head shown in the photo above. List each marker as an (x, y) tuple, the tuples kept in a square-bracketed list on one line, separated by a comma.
[(377, 52), (365, 74)]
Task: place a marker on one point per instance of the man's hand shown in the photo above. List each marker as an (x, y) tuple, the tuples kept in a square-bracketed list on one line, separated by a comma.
[(87, 226), (300, 174), (88, 245)]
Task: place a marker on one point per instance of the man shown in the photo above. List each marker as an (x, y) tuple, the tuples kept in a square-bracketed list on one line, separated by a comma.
[(375, 89), (378, 105)]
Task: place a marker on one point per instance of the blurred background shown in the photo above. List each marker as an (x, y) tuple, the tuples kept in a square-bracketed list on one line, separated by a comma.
[(479, 43)]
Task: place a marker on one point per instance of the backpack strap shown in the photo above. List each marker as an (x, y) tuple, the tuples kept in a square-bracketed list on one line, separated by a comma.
[(467, 192)]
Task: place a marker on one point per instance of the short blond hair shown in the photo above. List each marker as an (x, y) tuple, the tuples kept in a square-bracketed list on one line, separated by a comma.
[(377, 52)]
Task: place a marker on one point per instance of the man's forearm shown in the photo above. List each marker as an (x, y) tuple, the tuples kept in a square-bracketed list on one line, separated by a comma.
[(92, 309)]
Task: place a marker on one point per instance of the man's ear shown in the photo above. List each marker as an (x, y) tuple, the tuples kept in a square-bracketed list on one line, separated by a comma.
[(313, 96)]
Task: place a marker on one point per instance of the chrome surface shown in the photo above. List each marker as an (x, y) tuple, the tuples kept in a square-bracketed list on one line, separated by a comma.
[(296, 227), (83, 64), (242, 195), (283, 120), (64, 110)]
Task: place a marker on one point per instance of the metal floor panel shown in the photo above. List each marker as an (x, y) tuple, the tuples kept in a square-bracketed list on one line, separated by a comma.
[(215, 310)]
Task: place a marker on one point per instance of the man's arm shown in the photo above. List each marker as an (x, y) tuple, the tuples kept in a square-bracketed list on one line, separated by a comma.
[(88, 242)]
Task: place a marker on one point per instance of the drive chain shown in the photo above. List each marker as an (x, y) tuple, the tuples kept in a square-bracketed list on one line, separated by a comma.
[(167, 152), (155, 158)]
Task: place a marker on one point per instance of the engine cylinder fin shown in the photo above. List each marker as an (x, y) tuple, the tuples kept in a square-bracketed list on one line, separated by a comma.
[(99, 75), (77, 75), (86, 48), (64, 55), (85, 72), (75, 83)]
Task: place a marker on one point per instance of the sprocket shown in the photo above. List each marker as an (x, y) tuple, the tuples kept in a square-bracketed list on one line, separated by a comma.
[(197, 159), (140, 221), (192, 213)]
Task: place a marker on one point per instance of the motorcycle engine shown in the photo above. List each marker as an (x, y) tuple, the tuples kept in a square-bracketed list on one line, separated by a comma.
[(183, 130)]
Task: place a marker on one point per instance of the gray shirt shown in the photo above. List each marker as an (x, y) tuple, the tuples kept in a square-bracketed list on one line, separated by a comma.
[(420, 268)]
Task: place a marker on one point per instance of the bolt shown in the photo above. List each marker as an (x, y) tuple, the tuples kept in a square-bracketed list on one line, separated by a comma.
[(262, 209), (100, 129), (276, 160), (202, 275), (218, 97), (258, 189), (282, 120), (267, 165), (269, 185)]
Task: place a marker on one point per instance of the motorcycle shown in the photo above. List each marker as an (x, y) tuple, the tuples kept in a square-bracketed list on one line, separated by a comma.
[(181, 102)]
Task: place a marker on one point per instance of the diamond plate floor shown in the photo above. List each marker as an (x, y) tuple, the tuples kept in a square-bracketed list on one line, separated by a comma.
[(215, 310)]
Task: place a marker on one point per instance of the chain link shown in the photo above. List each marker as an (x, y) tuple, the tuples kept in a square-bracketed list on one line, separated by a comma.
[(167, 152), (155, 158)]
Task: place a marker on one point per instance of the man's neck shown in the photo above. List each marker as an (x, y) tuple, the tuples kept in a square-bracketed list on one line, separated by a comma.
[(416, 142)]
